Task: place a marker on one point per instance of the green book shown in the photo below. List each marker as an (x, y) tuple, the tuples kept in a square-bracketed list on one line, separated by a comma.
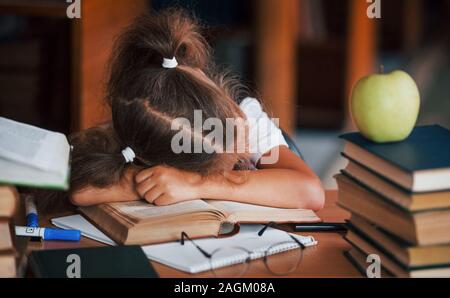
[(94, 262), (32, 156), (418, 164)]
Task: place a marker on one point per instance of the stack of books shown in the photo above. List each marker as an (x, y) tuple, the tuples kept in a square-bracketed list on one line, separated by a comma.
[(29, 156), (12, 252), (399, 197)]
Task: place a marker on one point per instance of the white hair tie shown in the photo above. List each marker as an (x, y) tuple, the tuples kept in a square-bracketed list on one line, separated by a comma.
[(128, 154), (170, 63)]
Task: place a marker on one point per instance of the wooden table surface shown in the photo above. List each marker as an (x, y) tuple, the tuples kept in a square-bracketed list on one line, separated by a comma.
[(324, 260)]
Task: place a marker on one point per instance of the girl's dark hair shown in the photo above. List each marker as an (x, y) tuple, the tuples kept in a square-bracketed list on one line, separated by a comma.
[(96, 160), (146, 98)]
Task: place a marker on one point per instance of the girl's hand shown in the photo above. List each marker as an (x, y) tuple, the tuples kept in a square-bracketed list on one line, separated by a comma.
[(163, 185)]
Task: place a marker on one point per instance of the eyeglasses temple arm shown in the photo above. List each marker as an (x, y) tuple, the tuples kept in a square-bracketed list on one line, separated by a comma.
[(269, 224), (184, 235), (274, 224), (296, 240)]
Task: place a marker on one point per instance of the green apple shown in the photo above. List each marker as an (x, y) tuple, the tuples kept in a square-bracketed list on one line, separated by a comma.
[(385, 106)]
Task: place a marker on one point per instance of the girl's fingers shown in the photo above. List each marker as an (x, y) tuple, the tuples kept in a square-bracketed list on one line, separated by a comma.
[(162, 200), (154, 193), (142, 175), (145, 186)]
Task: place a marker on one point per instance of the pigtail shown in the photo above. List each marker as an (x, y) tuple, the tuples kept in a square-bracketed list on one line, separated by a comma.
[(188, 44), (97, 161), (139, 51), (97, 158)]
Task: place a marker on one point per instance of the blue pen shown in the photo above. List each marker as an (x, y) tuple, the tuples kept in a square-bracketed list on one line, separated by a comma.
[(35, 232), (49, 233), (31, 211)]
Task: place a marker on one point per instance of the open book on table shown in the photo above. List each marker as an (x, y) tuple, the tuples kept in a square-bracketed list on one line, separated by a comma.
[(33, 156), (139, 222)]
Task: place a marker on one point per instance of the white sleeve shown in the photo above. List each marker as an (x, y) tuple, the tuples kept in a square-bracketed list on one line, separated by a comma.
[(263, 133)]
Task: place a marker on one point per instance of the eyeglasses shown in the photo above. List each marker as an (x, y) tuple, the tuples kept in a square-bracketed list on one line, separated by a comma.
[(280, 258)]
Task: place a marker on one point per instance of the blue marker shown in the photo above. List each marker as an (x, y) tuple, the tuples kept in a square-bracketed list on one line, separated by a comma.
[(49, 233), (31, 211), (32, 229)]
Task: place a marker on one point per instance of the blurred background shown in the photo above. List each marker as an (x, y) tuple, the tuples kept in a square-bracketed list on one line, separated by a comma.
[(301, 56)]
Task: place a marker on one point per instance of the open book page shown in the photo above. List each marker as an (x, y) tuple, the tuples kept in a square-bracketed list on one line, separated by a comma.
[(19, 174), (33, 146), (248, 213), (142, 210)]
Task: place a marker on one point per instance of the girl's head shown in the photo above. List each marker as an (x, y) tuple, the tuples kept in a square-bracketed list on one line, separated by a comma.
[(147, 98)]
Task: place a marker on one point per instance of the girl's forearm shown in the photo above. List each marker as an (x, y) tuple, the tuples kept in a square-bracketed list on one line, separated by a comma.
[(283, 188), (124, 190), (93, 195)]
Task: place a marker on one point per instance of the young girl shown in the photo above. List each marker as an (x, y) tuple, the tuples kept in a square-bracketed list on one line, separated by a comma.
[(161, 72)]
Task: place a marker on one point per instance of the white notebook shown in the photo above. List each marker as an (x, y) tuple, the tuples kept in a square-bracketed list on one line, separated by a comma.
[(187, 258)]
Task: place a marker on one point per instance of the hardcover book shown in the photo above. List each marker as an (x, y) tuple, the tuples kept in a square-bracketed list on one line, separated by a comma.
[(94, 262), (421, 163), (139, 222), (416, 228)]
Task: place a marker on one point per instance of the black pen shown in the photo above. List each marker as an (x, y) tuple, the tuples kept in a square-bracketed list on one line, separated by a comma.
[(320, 227)]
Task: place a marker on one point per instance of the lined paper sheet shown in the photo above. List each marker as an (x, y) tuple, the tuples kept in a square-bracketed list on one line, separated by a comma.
[(187, 258)]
